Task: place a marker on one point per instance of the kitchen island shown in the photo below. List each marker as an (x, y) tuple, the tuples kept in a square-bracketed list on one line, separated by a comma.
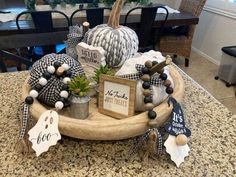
[(212, 144)]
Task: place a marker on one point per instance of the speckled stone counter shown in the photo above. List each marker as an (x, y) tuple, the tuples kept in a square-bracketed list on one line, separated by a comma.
[(213, 143)]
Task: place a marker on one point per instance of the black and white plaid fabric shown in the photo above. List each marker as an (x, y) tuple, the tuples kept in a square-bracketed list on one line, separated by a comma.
[(76, 29), (73, 38), (50, 93), (24, 120), (155, 79), (133, 76), (160, 142)]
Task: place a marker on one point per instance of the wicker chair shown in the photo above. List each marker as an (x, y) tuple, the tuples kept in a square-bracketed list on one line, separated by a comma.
[(181, 45)]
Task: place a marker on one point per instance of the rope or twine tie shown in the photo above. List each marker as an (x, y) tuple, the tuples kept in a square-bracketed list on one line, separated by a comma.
[(139, 142)]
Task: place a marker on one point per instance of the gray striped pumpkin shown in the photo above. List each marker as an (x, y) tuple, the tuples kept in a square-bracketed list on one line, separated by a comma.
[(119, 42)]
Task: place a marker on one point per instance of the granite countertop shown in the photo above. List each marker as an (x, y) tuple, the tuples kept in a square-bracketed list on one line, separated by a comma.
[(213, 143)]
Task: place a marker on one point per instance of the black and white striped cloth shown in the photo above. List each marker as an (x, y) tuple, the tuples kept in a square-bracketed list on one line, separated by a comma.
[(50, 93)]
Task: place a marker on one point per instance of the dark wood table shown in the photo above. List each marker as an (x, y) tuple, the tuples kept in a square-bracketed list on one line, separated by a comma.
[(11, 37)]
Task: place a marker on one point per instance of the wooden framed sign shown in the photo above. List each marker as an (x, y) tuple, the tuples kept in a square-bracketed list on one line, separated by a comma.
[(116, 96)]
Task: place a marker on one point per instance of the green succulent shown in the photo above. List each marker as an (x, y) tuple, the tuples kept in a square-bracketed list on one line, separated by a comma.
[(79, 86), (102, 70)]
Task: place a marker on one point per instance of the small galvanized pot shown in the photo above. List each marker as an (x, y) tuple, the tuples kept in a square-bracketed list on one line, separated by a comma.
[(79, 107)]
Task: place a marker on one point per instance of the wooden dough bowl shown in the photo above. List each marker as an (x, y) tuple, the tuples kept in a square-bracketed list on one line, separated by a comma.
[(102, 127)]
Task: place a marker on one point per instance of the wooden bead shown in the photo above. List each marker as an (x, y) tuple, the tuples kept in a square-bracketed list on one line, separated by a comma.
[(163, 76), (51, 69), (60, 71), (154, 63), (152, 114), (145, 77), (38, 87), (64, 87), (146, 85), (43, 81), (64, 94), (65, 66), (145, 70), (29, 100), (146, 92), (181, 140), (57, 64), (34, 93), (47, 75), (59, 105), (66, 80), (68, 73), (169, 90), (147, 99), (149, 106), (148, 64), (167, 83)]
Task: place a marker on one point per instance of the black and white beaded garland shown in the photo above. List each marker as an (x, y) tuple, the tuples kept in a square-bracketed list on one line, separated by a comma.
[(147, 71), (60, 70), (150, 69)]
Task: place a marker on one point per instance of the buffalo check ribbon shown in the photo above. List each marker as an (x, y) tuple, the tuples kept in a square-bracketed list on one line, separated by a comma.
[(155, 79)]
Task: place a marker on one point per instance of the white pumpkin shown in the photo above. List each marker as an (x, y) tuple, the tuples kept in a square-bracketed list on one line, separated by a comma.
[(119, 42), (159, 93)]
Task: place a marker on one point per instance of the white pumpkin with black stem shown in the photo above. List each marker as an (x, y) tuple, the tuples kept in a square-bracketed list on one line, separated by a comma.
[(119, 42)]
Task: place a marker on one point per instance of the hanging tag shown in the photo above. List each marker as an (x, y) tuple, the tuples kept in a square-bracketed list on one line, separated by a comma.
[(176, 143), (176, 125), (45, 133)]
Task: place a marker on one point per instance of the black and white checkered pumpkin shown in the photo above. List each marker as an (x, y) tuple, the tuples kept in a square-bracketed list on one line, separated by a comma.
[(119, 42), (50, 93)]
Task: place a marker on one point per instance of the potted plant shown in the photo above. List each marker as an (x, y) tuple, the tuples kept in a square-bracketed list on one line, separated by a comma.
[(79, 88), (98, 72)]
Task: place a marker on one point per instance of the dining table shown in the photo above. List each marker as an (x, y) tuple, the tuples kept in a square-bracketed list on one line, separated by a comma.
[(212, 142), (11, 37)]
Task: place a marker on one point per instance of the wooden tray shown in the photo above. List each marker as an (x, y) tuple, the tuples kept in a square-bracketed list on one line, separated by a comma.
[(102, 127)]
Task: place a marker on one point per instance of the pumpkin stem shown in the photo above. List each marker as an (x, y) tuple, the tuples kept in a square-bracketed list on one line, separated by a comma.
[(114, 18)]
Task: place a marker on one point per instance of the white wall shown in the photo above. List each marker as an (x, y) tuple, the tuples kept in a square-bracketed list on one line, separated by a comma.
[(216, 29)]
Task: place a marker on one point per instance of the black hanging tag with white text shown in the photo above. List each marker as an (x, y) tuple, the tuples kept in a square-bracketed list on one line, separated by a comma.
[(176, 125)]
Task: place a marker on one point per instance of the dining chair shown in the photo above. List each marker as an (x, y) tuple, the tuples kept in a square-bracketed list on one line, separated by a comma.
[(94, 15), (18, 60), (147, 35), (43, 23), (180, 45)]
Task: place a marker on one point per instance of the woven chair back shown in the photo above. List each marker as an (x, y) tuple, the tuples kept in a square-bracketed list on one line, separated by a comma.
[(192, 6)]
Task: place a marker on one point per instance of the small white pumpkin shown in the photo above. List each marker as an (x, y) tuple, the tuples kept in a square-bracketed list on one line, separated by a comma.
[(119, 42), (159, 93)]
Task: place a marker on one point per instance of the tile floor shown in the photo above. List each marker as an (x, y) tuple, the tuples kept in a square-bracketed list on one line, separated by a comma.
[(203, 72)]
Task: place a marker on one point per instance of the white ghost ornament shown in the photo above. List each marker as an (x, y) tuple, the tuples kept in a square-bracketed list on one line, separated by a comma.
[(45, 133), (177, 152)]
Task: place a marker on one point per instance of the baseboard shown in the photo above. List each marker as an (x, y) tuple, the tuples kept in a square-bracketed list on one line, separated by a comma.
[(199, 52)]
